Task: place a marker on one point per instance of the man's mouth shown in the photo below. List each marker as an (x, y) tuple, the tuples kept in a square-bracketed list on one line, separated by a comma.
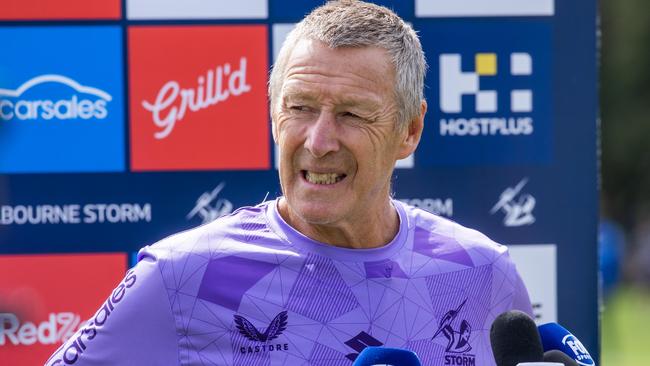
[(322, 178)]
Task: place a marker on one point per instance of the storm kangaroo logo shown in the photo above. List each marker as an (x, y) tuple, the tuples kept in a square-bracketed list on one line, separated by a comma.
[(274, 330), (457, 341)]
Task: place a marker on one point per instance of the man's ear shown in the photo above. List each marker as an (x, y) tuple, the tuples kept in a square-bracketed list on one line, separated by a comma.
[(413, 133)]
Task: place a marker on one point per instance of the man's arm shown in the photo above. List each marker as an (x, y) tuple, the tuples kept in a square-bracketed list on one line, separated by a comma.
[(134, 326)]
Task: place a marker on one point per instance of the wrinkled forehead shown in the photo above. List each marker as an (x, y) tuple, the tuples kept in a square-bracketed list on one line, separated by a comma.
[(313, 67), (315, 52)]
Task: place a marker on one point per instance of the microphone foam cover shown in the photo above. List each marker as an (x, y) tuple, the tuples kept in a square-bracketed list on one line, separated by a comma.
[(559, 357), (514, 339), (386, 356)]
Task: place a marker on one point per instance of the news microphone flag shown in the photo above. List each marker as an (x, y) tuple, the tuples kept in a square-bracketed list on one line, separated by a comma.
[(556, 337), (385, 356)]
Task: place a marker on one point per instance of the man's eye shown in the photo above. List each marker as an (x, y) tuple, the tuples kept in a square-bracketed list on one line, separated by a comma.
[(300, 108), (350, 115)]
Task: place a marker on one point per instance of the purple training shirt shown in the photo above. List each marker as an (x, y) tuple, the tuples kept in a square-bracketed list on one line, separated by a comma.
[(248, 289)]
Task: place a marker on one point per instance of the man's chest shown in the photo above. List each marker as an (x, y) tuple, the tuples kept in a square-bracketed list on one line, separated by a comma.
[(325, 313)]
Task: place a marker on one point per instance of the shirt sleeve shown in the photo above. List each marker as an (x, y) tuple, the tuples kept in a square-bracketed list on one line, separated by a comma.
[(521, 300), (134, 326)]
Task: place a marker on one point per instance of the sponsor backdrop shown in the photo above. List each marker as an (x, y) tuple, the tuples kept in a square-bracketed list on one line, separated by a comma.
[(124, 121)]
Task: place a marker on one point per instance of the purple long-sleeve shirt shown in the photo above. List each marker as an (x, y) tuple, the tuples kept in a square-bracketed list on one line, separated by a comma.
[(248, 289)]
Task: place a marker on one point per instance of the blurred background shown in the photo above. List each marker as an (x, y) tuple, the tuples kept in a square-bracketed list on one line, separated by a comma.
[(625, 196)]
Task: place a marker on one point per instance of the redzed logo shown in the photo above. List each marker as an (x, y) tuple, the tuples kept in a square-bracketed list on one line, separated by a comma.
[(198, 98), (60, 9), (57, 329), (45, 299)]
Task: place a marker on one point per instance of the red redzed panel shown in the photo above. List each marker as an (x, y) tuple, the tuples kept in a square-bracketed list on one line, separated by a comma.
[(60, 9), (44, 299), (198, 98)]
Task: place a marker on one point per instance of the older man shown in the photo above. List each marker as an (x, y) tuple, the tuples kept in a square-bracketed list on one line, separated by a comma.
[(334, 265)]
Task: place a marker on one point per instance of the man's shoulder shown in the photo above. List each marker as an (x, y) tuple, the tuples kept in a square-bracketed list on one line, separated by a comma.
[(228, 233), (445, 236)]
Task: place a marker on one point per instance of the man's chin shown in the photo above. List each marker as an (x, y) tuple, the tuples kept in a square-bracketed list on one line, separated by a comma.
[(312, 213)]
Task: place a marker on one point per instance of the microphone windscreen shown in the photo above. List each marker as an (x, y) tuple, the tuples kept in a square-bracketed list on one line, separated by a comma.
[(514, 339), (372, 356), (559, 357), (556, 337)]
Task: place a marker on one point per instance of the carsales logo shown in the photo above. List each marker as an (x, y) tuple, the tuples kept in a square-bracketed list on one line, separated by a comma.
[(84, 103), (62, 103), (201, 104)]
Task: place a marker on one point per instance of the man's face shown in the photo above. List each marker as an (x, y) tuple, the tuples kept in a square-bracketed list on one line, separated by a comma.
[(335, 123)]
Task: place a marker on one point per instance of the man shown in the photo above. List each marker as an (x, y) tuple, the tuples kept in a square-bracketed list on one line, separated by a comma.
[(334, 265)]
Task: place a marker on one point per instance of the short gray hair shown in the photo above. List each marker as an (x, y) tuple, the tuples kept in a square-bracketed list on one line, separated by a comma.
[(352, 23)]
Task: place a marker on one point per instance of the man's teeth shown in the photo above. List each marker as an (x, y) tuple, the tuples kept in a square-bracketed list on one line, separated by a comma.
[(326, 178)]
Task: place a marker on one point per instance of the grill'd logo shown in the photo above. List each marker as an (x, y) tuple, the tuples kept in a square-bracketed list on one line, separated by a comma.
[(205, 106), (273, 331), (216, 86), (13, 105)]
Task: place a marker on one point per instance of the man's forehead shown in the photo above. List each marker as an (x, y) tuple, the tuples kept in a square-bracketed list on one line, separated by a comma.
[(315, 52), (355, 74)]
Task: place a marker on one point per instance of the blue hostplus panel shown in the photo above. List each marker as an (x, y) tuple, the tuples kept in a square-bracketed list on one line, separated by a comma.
[(294, 11), (488, 91), (61, 99)]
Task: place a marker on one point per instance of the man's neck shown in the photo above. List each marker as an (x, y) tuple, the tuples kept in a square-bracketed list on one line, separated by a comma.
[(376, 229)]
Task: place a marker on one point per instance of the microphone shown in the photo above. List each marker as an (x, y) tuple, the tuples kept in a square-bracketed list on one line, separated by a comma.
[(559, 357), (384, 356), (556, 337), (514, 339), (552, 358)]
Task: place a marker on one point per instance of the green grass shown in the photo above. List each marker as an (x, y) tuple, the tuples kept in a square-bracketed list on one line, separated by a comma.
[(626, 328)]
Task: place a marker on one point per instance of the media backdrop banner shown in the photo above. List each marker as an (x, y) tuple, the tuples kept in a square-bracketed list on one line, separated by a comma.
[(124, 121)]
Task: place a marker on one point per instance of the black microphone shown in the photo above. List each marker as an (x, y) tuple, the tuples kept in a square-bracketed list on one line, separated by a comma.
[(559, 357), (514, 339), (384, 356)]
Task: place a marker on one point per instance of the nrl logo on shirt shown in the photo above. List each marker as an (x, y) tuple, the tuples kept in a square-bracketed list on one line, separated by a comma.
[(273, 331)]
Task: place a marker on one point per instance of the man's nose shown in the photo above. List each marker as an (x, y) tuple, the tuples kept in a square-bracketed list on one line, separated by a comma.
[(323, 135)]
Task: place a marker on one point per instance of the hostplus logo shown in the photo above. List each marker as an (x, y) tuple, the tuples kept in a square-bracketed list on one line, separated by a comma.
[(263, 340), (209, 207), (84, 102), (489, 120), (457, 335)]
